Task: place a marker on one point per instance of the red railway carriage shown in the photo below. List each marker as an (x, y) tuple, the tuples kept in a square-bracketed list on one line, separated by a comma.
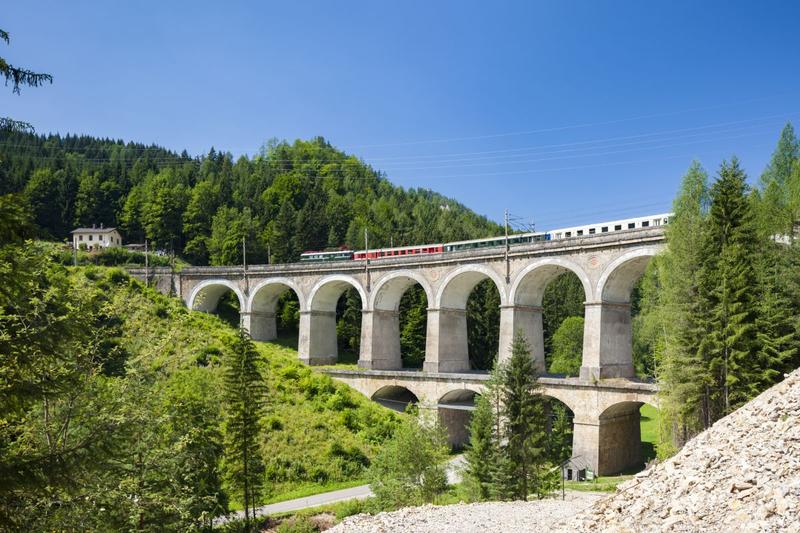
[(398, 252)]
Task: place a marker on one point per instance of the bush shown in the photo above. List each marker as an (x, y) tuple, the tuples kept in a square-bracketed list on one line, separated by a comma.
[(350, 508), (118, 276), (410, 468), (299, 524)]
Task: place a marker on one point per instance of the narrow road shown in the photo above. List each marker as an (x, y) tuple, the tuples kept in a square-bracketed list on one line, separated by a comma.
[(326, 498)]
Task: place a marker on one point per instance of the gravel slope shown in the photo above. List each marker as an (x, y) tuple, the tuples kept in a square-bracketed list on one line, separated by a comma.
[(499, 517), (743, 474)]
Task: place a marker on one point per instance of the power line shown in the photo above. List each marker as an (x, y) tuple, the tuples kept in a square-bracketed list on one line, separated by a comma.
[(562, 128), (170, 162), (577, 156), (782, 116), (589, 147)]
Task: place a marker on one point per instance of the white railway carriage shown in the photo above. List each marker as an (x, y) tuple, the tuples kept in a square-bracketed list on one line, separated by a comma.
[(649, 221)]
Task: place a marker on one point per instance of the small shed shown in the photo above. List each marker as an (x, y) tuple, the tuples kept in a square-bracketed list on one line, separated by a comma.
[(577, 469)]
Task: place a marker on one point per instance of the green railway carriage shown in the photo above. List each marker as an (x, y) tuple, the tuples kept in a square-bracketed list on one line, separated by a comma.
[(519, 238), (338, 255)]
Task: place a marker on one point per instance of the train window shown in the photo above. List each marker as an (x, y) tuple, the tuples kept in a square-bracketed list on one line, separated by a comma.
[(666, 220), (631, 225), (604, 229), (656, 221), (558, 235), (579, 232), (591, 231), (567, 234), (645, 223), (618, 227)]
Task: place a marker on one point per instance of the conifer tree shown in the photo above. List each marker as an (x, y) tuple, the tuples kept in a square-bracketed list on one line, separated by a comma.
[(559, 439), (778, 337), (18, 76), (783, 158), (777, 201), (482, 449), (523, 428), (680, 372), (483, 452), (727, 283), (244, 395)]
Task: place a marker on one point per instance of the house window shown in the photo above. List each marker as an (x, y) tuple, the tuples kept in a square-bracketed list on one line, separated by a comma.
[(80, 237), (604, 229), (631, 225), (645, 223), (90, 237), (618, 227)]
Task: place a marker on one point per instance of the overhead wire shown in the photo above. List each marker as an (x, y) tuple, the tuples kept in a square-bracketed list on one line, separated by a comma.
[(172, 162), (409, 158), (563, 128)]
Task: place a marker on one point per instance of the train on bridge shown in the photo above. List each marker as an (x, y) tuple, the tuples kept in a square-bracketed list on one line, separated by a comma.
[(661, 219)]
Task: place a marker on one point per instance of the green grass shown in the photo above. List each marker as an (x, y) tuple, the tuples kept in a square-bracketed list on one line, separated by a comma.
[(319, 435), (649, 431), (599, 484)]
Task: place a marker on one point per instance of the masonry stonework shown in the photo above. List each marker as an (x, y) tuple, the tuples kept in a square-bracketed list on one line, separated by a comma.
[(608, 266)]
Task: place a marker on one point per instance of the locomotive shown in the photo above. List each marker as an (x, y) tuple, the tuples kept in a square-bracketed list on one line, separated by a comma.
[(661, 219)]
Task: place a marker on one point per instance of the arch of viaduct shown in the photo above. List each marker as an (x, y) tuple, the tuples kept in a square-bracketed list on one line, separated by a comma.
[(606, 431), (608, 266)]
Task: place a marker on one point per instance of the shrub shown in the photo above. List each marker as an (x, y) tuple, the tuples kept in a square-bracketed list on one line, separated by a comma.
[(299, 524), (410, 468), (350, 508)]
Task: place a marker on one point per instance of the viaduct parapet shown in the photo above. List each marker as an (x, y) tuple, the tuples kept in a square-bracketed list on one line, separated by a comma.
[(604, 399)]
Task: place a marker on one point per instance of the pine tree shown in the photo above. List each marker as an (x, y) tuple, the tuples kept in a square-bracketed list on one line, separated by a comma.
[(727, 284), (783, 158), (777, 335), (245, 396), (559, 439), (523, 426), (18, 76), (481, 451), (777, 201), (679, 370)]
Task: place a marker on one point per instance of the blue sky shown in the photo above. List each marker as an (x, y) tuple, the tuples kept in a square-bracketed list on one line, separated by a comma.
[(563, 112)]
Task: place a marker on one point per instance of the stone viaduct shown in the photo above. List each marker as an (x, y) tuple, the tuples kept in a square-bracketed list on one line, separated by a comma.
[(604, 399)]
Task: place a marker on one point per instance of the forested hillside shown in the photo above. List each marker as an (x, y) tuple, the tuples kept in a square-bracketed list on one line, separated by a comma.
[(115, 410), (288, 199)]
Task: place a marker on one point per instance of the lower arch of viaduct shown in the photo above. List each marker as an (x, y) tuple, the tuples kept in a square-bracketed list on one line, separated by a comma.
[(607, 267), (606, 431)]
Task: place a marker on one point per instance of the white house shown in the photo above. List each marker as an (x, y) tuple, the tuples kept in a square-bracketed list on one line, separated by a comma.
[(96, 238)]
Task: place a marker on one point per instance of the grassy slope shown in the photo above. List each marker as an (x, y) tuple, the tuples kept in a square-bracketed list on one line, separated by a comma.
[(318, 433)]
